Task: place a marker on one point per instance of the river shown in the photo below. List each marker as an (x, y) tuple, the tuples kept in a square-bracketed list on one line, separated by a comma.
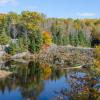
[(43, 81)]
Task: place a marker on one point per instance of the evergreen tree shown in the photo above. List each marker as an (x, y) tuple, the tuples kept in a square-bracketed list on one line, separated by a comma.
[(35, 41), (82, 39)]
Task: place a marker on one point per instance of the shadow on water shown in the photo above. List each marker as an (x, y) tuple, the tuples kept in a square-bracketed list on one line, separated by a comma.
[(39, 81)]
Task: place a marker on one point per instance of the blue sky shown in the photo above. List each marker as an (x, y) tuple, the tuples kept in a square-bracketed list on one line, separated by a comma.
[(55, 8)]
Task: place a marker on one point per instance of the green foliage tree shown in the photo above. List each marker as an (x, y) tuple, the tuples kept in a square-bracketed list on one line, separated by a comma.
[(31, 25), (16, 47), (31, 21), (66, 40), (35, 41), (82, 39), (4, 39), (58, 33)]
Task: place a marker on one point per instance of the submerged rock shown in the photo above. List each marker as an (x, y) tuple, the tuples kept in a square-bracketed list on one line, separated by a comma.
[(4, 74)]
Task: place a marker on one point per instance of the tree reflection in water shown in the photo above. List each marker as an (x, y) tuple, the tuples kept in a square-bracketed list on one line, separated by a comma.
[(29, 79)]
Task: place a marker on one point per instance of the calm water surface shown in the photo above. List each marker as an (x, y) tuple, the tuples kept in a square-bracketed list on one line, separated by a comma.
[(37, 81)]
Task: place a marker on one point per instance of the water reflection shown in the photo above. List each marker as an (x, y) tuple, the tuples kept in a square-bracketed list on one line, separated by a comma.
[(38, 81)]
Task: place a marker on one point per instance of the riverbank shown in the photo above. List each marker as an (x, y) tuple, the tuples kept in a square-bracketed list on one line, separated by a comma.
[(61, 54)]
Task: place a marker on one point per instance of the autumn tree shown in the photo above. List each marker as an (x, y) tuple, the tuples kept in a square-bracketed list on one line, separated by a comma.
[(47, 38), (32, 21)]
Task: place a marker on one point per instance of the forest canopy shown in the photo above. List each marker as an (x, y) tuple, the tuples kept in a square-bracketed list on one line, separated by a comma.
[(34, 29)]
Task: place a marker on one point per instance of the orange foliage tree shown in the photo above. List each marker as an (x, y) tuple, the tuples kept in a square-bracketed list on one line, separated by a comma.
[(47, 38)]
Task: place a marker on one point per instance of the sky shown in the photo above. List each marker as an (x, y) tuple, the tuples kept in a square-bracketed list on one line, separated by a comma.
[(54, 8)]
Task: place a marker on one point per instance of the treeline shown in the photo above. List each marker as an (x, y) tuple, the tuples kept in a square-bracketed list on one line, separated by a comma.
[(30, 30), (76, 32)]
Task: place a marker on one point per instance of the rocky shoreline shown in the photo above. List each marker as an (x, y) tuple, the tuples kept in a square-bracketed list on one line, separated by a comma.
[(61, 54)]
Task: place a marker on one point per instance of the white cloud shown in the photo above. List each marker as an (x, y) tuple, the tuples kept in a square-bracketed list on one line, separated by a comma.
[(86, 14), (32, 8), (3, 2)]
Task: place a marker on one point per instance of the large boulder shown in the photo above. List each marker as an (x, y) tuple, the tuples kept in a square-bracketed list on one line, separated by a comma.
[(19, 55), (2, 53)]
